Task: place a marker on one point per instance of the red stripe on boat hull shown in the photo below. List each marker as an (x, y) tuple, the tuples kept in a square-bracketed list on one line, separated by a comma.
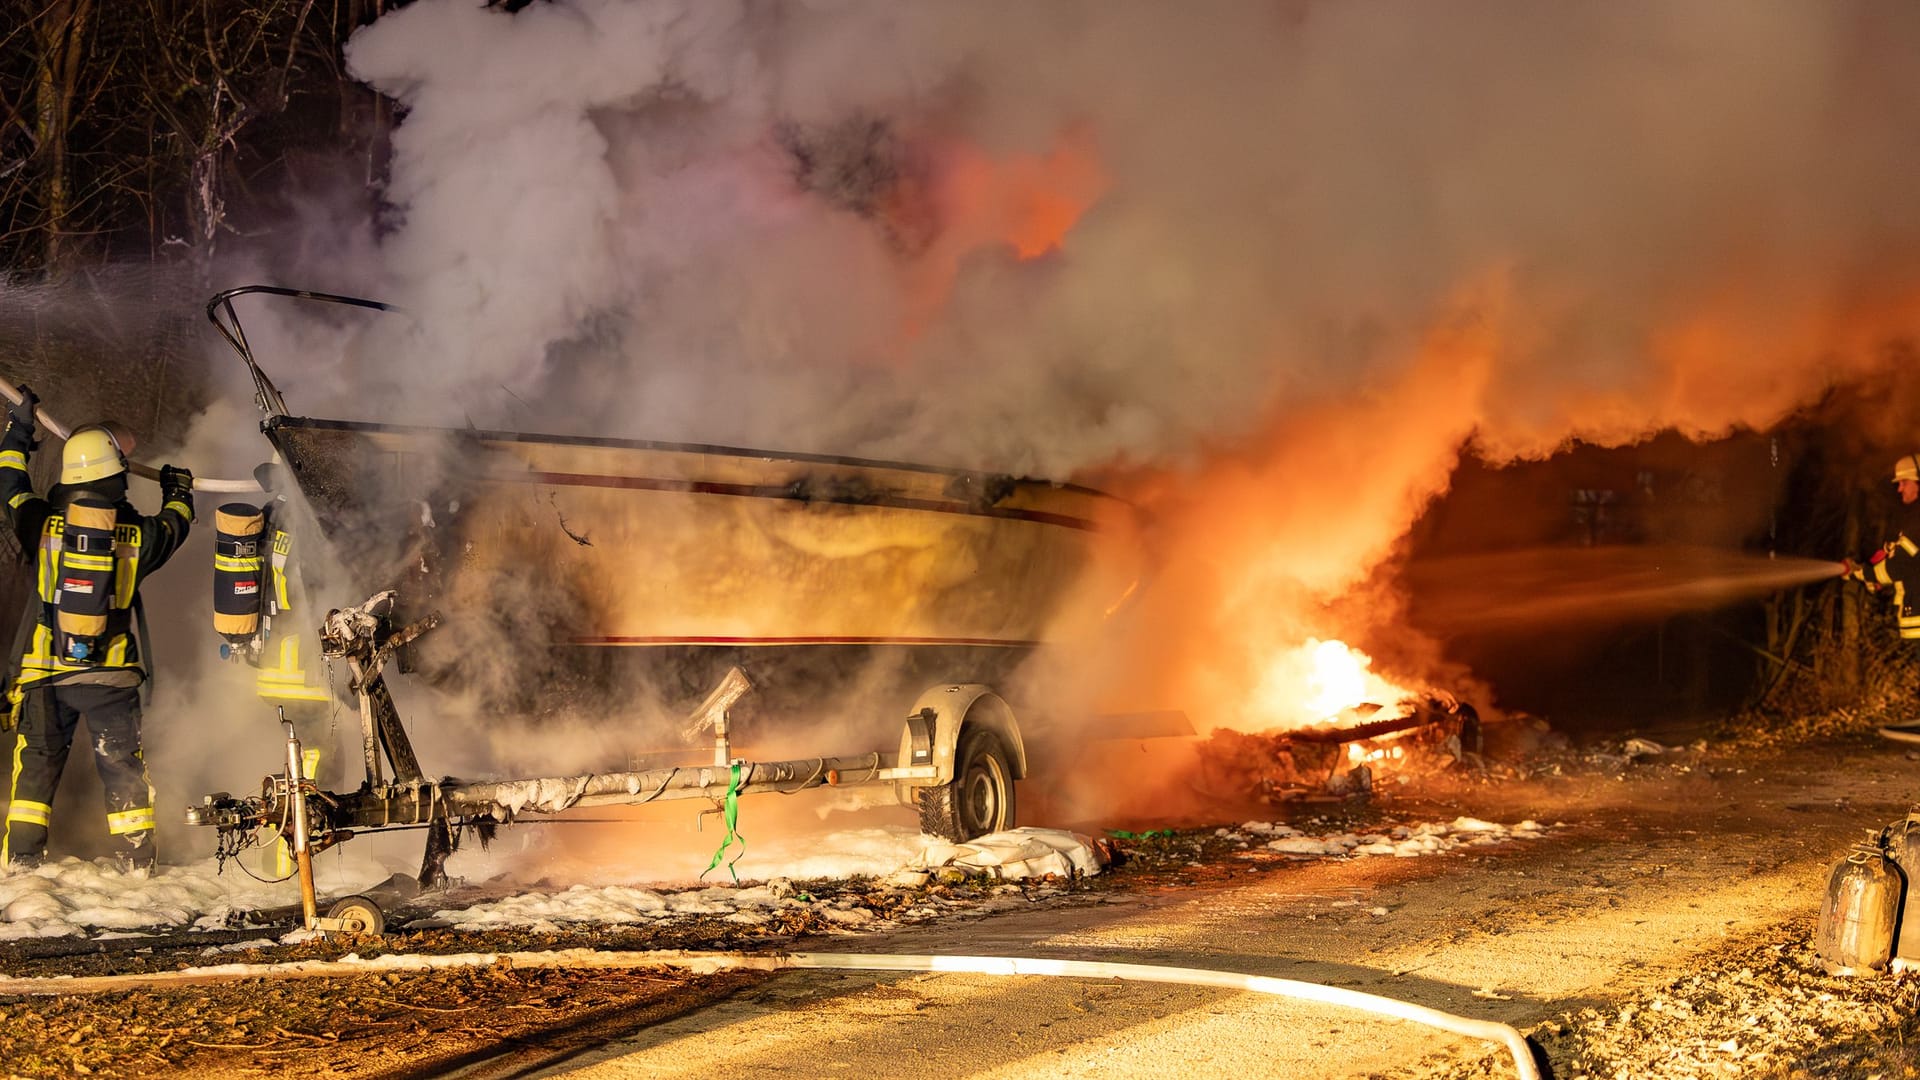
[(831, 639)]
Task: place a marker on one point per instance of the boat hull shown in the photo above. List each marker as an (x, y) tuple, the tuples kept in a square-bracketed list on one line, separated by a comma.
[(630, 545)]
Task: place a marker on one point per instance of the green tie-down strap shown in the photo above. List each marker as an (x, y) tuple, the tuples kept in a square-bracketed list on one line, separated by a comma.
[(733, 837), (1122, 834)]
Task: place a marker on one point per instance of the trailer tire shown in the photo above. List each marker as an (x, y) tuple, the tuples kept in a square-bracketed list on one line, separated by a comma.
[(362, 910), (979, 800)]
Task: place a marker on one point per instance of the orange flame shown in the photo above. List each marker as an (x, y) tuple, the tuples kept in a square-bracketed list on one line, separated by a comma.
[(1028, 202), (1315, 682), (1025, 203), (1270, 545), (1360, 755)]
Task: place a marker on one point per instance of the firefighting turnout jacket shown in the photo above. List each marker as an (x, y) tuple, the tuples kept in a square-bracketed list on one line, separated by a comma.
[(281, 678), (1897, 566), (141, 544)]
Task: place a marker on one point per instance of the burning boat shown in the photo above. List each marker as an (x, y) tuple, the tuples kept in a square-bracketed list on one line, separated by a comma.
[(596, 546)]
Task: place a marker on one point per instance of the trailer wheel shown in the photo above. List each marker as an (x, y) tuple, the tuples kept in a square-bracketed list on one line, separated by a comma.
[(362, 910), (980, 798)]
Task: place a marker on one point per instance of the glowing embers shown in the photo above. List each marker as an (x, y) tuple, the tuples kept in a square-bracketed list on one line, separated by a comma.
[(1361, 754), (1367, 762)]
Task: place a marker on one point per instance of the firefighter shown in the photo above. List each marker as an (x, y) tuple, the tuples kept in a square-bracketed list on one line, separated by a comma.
[(1894, 570), (257, 596), (82, 657)]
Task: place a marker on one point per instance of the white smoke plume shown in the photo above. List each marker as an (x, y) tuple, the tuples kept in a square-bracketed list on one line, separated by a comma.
[(799, 224)]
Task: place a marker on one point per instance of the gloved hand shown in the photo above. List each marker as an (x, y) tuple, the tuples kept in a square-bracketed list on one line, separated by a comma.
[(22, 413), (1847, 567), (176, 482)]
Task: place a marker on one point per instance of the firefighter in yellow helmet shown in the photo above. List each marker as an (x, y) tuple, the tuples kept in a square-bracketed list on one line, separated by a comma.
[(1894, 570), (82, 658)]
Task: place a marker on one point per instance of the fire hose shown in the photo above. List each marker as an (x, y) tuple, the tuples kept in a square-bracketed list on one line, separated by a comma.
[(61, 431), (1508, 1037)]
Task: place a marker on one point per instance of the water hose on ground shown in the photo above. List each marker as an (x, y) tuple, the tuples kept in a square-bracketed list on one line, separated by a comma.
[(61, 431), (704, 963)]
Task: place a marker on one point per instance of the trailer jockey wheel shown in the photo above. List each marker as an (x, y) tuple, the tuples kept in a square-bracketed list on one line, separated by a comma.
[(361, 910), (980, 798)]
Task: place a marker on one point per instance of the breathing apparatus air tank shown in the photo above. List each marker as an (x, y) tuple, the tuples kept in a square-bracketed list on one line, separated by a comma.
[(239, 571), (1861, 911), (84, 590)]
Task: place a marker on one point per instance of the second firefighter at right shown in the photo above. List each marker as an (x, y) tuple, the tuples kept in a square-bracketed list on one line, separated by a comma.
[(257, 609), (1893, 571)]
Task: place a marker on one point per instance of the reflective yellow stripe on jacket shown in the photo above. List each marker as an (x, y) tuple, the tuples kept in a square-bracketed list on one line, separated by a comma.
[(282, 549), (1909, 619)]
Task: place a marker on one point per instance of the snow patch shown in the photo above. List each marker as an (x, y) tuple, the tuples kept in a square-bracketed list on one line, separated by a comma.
[(1018, 853), (69, 897), (1015, 853), (1402, 841)]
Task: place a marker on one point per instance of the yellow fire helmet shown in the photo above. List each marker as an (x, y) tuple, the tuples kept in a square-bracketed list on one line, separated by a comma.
[(92, 453)]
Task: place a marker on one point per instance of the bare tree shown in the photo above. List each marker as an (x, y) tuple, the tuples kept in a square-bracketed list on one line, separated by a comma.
[(217, 69), (53, 40), (136, 128)]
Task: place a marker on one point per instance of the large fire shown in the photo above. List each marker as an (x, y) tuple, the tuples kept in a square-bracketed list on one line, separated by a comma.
[(1315, 682)]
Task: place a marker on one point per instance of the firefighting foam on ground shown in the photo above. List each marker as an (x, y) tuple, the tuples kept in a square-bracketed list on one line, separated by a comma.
[(1344, 497)]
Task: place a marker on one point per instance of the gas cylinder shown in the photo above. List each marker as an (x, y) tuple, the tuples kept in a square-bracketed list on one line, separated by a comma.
[(1861, 911), (1903, 847)]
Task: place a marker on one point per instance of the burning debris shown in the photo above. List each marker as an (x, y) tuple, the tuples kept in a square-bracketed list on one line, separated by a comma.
[(1348, 756), (1325, 731)]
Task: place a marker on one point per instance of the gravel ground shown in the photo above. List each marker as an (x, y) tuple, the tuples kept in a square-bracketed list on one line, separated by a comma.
[(1760, 1007)]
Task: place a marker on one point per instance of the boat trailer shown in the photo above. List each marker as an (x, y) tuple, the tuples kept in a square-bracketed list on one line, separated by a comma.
[(960, 753)]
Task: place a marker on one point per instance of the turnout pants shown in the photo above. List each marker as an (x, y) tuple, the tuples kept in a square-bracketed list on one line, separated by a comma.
[(49, 716)]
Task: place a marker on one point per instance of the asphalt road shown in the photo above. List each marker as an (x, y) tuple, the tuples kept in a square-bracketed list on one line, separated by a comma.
[(1642, 876)]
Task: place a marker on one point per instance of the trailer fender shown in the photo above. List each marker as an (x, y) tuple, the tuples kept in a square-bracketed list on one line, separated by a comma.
[(932, 731)]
